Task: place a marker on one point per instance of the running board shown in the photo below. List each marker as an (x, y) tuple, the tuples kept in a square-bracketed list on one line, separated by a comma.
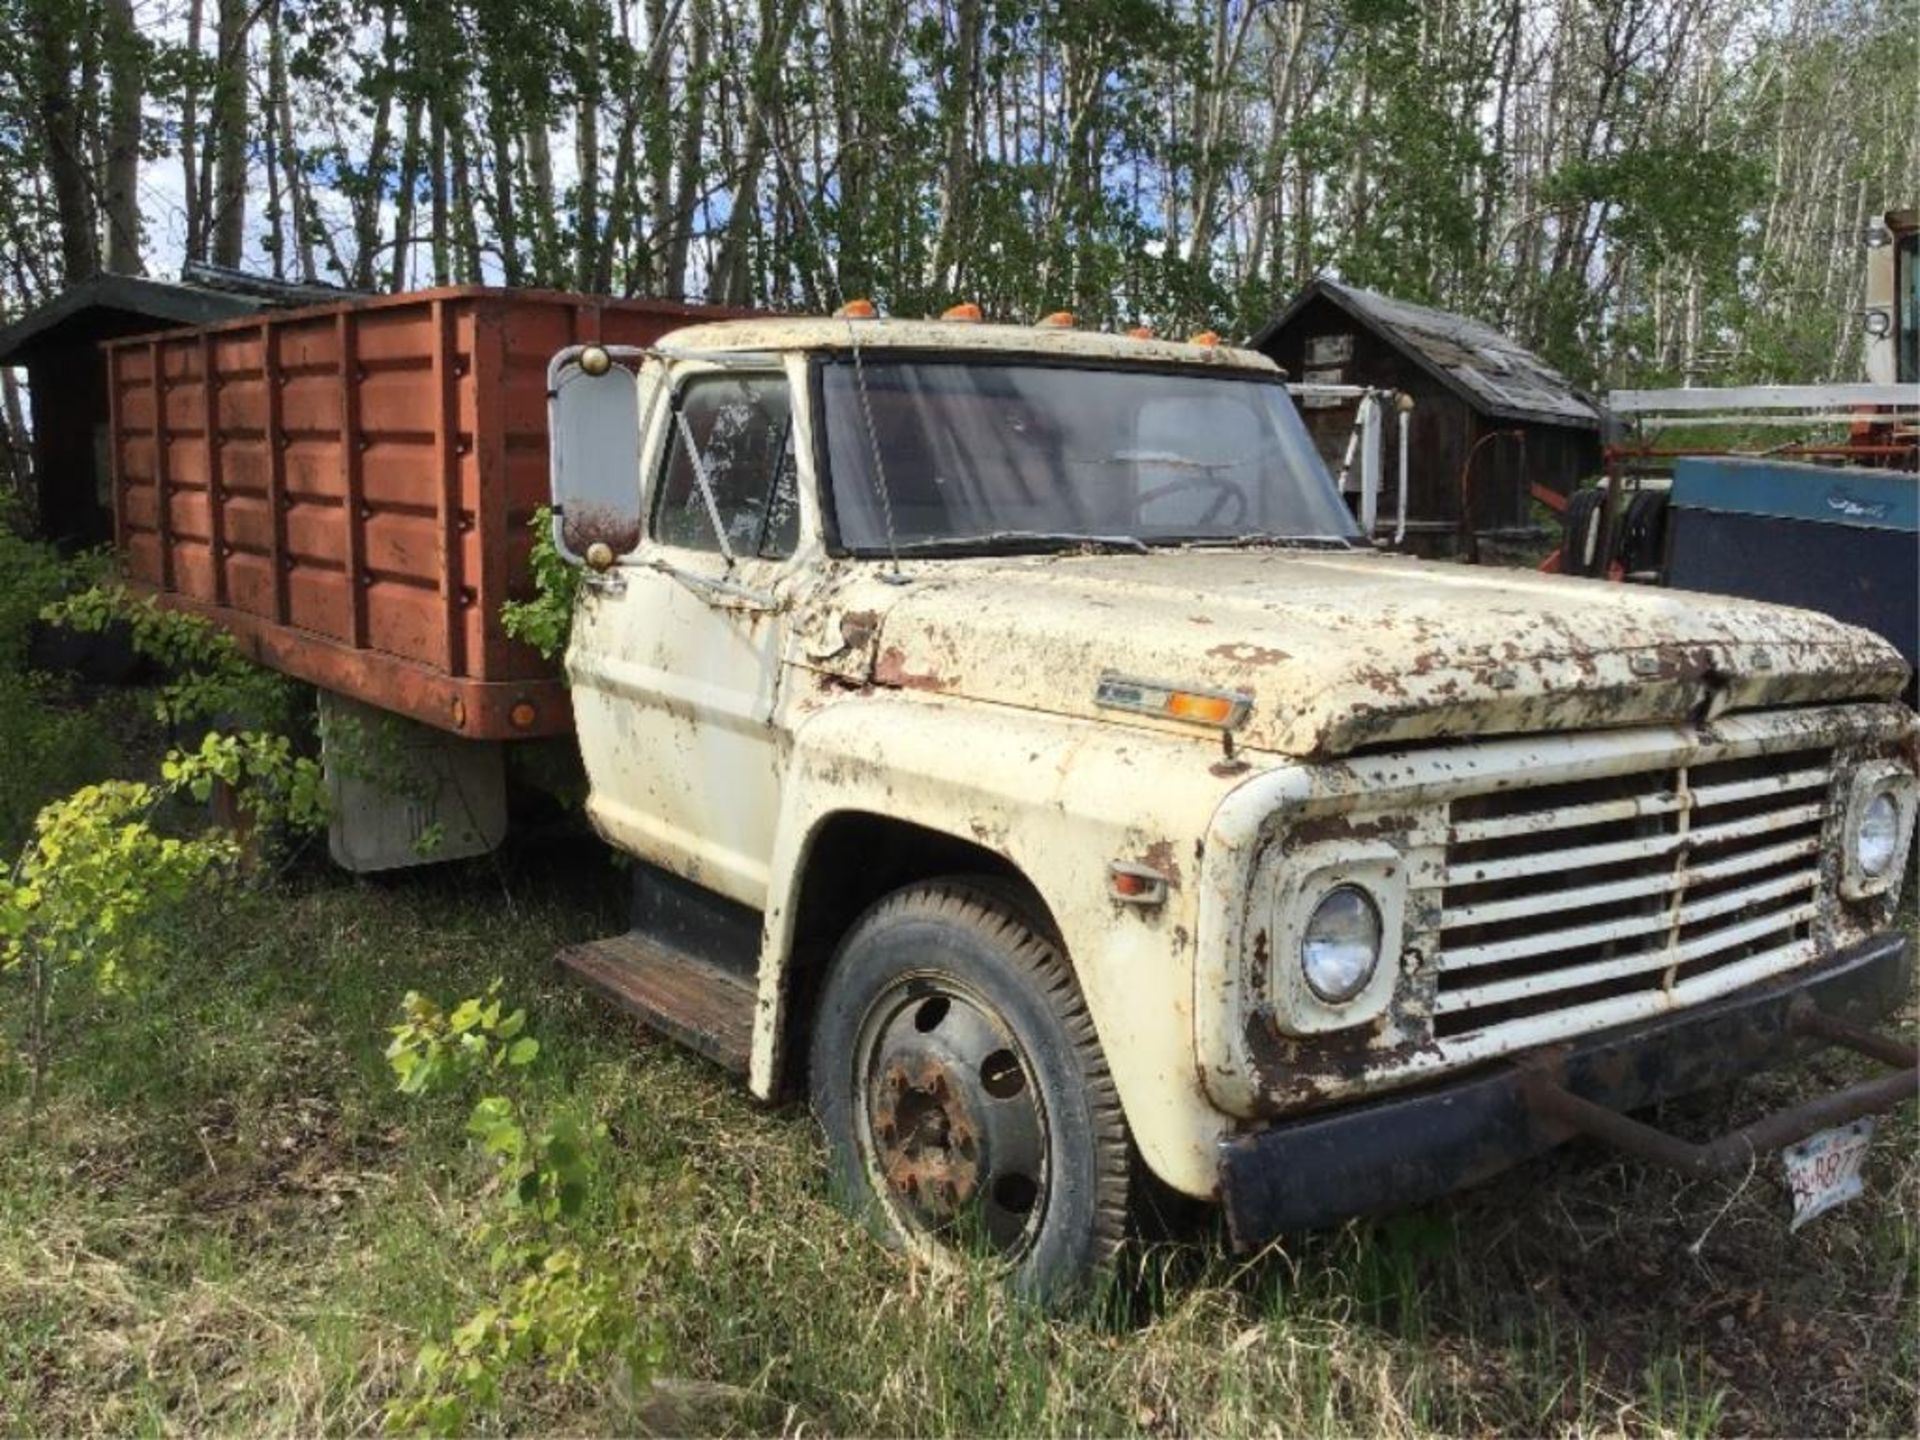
[(704, 1007)]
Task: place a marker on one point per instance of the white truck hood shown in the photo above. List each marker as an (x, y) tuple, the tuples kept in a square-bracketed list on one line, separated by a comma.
[(1337, 650)]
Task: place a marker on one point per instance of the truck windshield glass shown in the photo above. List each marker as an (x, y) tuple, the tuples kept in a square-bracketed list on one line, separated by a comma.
[(1001, 454)]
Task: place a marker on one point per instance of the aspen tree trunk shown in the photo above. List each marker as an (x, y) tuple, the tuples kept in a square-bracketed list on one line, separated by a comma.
[(400, 273), (957, 179), (190, 137), (299, 196), (505, 222), (230, 126), (58, 112), (437, 196), (466, 219), (547, 264), (586, 130), (687, 158), (366, 205), (121, 198), (19, 454), (733, 271), (651, 263), (273, 145)]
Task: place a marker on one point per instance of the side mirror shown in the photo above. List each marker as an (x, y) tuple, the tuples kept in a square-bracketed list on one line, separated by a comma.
[(593, 429)]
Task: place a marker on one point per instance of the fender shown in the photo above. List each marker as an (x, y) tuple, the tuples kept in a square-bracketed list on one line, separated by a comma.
[(1061, 799)]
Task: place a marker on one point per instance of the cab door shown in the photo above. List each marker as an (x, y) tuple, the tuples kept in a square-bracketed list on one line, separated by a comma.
[(676, 654)]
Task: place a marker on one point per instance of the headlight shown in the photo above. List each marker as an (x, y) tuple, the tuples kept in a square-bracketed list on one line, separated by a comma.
[(1877, 839), (1879, 825), (1340, 947)]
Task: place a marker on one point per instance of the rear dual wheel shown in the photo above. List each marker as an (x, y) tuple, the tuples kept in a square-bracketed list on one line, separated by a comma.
[(963, 1094)]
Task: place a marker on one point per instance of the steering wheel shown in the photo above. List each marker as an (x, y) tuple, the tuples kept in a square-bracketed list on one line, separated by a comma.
[(1228, 494)]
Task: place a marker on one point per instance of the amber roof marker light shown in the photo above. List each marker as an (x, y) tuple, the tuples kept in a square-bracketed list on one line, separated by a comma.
[(1058, 320), (861, 309), (967, 313)]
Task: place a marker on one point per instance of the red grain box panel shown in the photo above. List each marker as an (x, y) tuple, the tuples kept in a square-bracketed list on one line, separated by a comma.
[(347, 488)]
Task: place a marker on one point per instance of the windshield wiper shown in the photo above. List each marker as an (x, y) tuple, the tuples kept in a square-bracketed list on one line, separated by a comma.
[(1024, 540), (1262, 537)]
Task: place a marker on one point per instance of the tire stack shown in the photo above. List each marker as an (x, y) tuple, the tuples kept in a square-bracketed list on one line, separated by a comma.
[(1639, 538), (1640, 546), (1580, 551)]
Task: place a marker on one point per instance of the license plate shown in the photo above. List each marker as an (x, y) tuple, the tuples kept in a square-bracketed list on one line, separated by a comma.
[(1824, 1170)]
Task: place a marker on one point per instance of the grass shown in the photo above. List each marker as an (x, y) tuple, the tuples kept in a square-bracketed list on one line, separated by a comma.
[(233, 1224)]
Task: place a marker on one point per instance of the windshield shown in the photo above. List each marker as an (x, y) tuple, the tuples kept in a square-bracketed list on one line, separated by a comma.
[(993, 454)]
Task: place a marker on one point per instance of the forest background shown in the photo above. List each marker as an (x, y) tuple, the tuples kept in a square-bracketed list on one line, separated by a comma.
[(1647, 191)]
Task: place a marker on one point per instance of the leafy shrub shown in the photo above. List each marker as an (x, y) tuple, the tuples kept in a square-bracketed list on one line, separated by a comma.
[(558, 1308), (270, 783), (37, 575), (545, 621), (49, 751), (83, 898), (209, 678), (433, 1049), (87, 895)]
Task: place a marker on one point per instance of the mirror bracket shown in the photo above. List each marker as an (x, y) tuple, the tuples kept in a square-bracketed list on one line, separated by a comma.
[(604, 582), (722, 594)]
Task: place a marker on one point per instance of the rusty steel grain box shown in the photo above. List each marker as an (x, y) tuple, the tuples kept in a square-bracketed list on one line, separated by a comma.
[(348, 488)]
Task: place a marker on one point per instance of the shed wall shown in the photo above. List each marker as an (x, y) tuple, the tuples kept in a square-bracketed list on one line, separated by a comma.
[(1442, 429)]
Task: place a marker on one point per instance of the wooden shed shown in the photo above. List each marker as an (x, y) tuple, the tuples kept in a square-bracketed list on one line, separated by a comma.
[(1490, 419), (58, 345)]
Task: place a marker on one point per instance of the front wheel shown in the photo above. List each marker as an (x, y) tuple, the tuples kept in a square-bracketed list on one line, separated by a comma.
[(963, 1094)]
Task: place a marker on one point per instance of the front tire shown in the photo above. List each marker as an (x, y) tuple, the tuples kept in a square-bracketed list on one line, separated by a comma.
[(963, 1094)]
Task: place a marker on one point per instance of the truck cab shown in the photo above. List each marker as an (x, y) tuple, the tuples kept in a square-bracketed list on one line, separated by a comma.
[(1029, 762)]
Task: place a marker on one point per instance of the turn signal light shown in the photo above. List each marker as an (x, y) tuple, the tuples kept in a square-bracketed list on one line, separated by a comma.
[(1205, 337), (1224, 709), (856, 310), (968, 312), (1202, 709), (1135, 884), (1058, 320)]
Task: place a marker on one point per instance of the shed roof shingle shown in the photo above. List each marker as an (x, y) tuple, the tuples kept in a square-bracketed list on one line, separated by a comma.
[(204, 294), (1484, 367)]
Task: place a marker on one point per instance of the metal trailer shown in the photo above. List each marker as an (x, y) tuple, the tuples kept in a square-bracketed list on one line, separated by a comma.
[(348, 489)]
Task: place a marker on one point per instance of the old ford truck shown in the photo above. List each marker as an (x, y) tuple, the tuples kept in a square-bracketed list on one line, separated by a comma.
[(1030, 763)]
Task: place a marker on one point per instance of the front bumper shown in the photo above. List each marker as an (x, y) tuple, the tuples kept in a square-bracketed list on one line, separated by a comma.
[(1400, 1151)]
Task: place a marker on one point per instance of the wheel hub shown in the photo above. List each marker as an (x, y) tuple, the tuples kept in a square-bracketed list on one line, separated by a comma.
[(926, 1137), (955, 1126)]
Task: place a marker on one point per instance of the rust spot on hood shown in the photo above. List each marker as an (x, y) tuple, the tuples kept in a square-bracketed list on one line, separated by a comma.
[(1243, 653), (891, 670), (857, 627)]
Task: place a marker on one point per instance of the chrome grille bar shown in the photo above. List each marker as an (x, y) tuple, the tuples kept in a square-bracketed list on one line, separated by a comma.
[(1554, 861), (1597, 896), (1574, 977)]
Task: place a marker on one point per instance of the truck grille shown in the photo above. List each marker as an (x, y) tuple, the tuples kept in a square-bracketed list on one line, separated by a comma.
[(1566, 906)]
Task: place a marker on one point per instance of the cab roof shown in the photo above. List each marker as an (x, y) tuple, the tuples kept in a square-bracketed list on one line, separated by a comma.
[(827, 333)]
